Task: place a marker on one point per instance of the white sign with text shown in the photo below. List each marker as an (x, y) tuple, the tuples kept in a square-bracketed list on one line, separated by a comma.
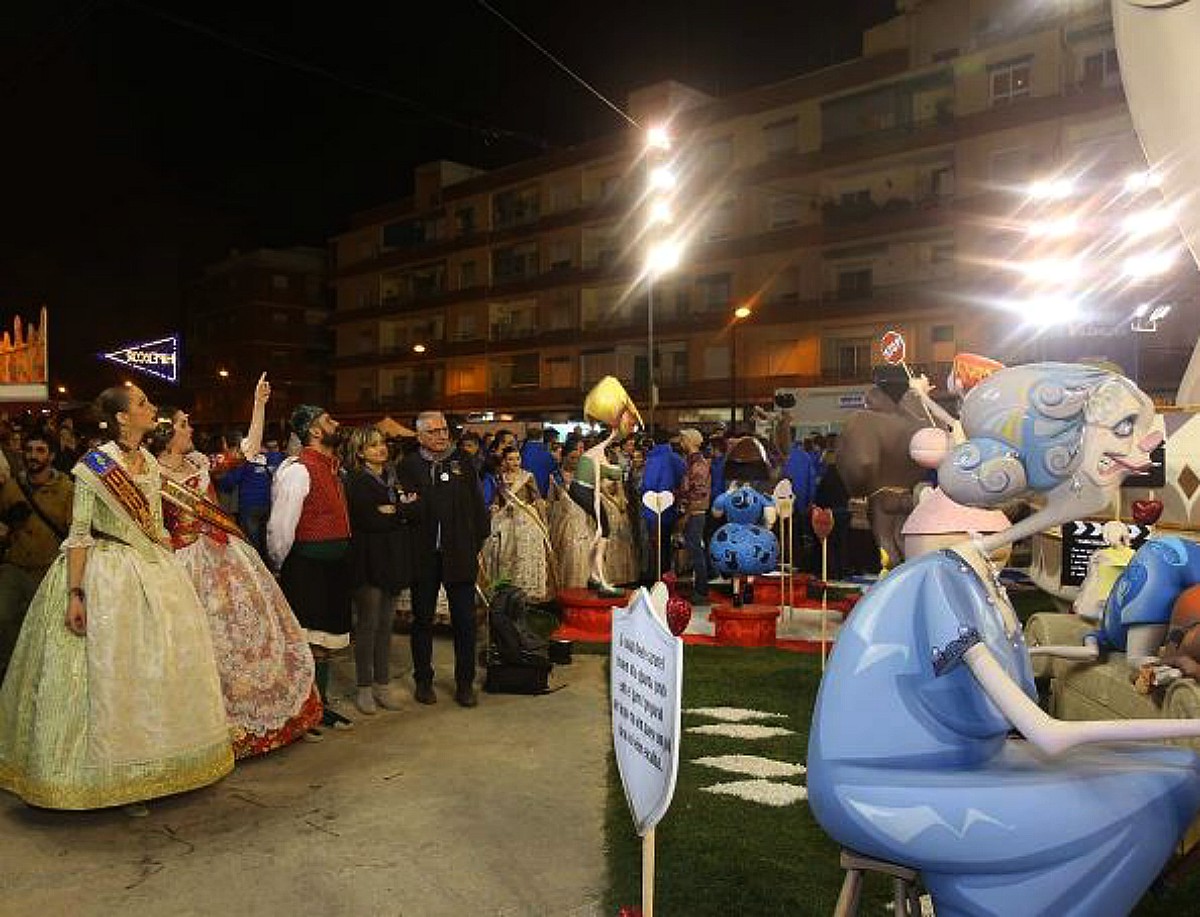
[(647, 685)]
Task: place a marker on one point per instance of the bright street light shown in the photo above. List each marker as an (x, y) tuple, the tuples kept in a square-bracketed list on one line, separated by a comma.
[(741, 312), (664, 257), (1136, 182), (1053, 229), (1051, 270), (1052, 189), (1146, 222), (418, 348), (62, 389), (662, 179), (223, 373), (660, 213), (1150, 264), (657, 138), (1049, 310)]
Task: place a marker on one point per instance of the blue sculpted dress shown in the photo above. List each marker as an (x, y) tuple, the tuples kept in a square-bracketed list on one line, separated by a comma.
[(910, 761)]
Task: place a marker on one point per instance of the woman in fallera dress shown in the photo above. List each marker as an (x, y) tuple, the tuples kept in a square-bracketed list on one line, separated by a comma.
[(521, 540), (113, 695), (265, 664)]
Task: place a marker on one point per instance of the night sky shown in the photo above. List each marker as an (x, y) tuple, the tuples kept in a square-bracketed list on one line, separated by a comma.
[(143, 141)]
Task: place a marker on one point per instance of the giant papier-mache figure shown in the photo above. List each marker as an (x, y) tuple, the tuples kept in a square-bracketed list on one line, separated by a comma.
[(1055, 824), (610, 404)]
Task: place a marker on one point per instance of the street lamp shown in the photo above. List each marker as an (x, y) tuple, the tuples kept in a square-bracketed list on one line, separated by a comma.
[(223, 373), (740, 314), (418, 348), (663, 254)]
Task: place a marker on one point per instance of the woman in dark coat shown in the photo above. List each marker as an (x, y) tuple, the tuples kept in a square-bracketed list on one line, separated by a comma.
[(381, 560)]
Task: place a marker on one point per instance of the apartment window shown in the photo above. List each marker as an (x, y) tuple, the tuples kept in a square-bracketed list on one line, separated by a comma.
[(467, 275), (942, 253), (515, 262), (279, 282), (468, 327), (513, 208), (594, 365), (1102, 69), (279, 318), (716, 362), (720, 221), (785, 211), (854, 283), (526, 369), (1010, 81), (464, 217), (942, 334), (782, 138), (562, 314), (563, 196), (558, 372), (846, 358), (1009, 166), (560, 255), (715, 290)]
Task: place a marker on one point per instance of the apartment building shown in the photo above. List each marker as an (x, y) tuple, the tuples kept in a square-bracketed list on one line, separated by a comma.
[(261, 311), (888, 192)]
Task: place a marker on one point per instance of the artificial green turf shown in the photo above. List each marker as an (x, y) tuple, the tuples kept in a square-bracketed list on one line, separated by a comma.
[(719, 855)]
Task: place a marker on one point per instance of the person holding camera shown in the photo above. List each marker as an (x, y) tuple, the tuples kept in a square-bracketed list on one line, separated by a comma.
[(35, 514)]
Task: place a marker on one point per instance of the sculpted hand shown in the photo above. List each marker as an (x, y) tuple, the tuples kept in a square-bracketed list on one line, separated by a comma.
[(921, 385)]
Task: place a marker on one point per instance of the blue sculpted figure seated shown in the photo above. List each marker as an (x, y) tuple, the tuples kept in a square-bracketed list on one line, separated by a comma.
[(1135, 615), (1052, 823)]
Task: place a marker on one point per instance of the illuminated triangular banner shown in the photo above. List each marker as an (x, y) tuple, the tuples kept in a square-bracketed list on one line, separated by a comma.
[(159, 358)]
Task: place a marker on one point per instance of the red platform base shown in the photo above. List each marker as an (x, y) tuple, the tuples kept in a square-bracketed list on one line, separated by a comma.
[(750, 625), (586, 616)]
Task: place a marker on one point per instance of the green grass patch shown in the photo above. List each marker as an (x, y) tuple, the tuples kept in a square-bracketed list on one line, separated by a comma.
[(719, 855)]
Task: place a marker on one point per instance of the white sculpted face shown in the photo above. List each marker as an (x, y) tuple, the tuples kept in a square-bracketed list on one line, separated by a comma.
[(1117, 439)]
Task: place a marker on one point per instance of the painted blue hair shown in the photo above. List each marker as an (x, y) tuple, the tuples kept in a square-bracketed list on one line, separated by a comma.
[(1025, 427)]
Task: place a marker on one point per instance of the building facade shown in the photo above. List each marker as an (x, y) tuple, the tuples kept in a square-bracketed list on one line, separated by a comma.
[(261, 311), (888, 192)]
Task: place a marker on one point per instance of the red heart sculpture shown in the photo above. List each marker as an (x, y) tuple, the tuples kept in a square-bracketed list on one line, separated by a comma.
[(679, 614), (1146, 512), (822, 521)]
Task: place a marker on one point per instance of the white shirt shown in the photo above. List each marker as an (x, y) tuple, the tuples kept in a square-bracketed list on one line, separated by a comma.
[(288, 492)]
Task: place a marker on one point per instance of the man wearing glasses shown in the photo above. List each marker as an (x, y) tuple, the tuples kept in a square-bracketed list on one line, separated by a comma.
[(453, 525)]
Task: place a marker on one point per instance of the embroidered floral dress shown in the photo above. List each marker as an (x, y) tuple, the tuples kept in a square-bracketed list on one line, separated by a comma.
[(571, 534), (132, 710), (265, 664), (519, 536)]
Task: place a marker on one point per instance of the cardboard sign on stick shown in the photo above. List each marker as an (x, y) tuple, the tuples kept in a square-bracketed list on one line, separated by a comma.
[(647, 678)]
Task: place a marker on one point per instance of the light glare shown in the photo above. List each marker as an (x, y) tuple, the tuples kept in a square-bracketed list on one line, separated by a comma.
[(1150, 264), (664, 257), (662, 179), (1147, 222), (1052, 190), (657, 138)]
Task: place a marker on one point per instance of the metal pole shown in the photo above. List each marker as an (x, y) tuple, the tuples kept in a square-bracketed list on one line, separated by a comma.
[(650, 346), (733, 375)]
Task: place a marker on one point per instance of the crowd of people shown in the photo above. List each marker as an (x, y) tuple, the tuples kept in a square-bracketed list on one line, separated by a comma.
[(169, 606)]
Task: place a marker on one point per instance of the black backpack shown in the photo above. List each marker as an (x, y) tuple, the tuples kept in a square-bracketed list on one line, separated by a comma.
[(518, 659)]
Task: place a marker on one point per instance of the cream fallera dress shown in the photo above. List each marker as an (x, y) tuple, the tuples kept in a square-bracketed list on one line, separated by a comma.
[(133, 710)]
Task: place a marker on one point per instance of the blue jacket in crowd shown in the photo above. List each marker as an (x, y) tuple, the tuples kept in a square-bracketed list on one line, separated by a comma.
[(665, 469)]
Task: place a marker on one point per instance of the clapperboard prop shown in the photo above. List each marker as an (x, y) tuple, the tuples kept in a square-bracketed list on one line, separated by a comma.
[(1080, 540)]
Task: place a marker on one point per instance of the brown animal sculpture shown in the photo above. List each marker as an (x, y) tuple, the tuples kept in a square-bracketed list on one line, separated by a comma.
[(872, 456)]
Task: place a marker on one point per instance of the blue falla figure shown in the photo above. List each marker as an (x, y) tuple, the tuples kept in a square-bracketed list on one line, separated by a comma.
[(744, 545), (911, 755)]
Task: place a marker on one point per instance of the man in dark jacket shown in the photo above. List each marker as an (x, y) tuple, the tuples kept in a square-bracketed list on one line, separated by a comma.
[(452, 526)]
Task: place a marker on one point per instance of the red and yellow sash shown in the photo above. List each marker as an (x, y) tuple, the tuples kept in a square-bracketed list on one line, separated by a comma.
[(124, 490), (204, 510)]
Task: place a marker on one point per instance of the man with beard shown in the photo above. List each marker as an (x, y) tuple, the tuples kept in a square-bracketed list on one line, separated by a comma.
[(308, 540), (453, 525), (35, 513)]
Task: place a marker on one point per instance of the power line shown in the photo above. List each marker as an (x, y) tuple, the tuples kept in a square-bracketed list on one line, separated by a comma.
[(488, 132), (558, 63)]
